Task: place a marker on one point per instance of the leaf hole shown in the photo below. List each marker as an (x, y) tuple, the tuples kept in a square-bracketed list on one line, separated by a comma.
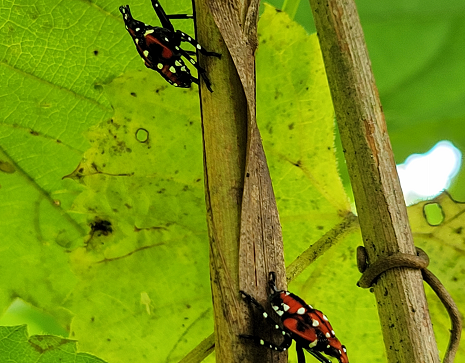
[(433, 213)]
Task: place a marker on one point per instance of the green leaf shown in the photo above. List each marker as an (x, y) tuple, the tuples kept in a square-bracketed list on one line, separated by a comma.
[(101, 199), (443, 242), (296, 119), (17, 348)]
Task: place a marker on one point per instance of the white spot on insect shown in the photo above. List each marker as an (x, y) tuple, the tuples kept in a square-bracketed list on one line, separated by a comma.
[(198, 46), (262, 342), (156, 4), (327, 335), (147, 32), (172, 69), (126, 16), (283, 332), (315, 323), (339, 352), (192, 61), (314, 343), (137, 40), (176, 47), (325, 318), (146, 53), (344, 349), (178, 63), (333, 333), (310, 306), (287, 293), (183, 68), (189, 38), (286, 307), (301, 311), (284, 349), (265, 315), (160, 66), (137, 29), (276, 326), (127, 27), (166, 40), (280, 312), (328, 346)]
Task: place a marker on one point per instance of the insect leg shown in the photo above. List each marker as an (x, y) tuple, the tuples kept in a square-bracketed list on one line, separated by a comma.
[(180, 16), (300, 353), (187, 38), (318, 356), (164, 19), (202, 72)]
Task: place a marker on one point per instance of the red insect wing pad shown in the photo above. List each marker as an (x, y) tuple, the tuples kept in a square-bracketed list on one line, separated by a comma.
[(293, 324), (166, 53)]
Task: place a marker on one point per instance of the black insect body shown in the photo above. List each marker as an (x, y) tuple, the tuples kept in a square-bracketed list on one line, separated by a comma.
[(309, 327), (160, 47)]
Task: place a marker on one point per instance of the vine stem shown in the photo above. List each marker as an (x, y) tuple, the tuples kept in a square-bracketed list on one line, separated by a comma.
[(402, 306)]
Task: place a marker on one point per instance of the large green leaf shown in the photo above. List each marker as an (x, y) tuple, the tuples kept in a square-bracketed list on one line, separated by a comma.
[(102, 211), (17, 348)]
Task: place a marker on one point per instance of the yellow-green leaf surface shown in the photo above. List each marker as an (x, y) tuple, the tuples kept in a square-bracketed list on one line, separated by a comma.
[(18, 348), (102, 211), (443, 240)]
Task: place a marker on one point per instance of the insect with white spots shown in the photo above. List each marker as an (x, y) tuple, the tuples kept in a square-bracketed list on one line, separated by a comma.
[(160, 47), (309, 327)]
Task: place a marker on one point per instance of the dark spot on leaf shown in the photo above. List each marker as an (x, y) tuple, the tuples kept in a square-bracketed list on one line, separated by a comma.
[(291, 126), (7, 167), (459, 230), (247, 175), (319, 227), (100, 227), (96, 52), (34, 133), (133, 94)]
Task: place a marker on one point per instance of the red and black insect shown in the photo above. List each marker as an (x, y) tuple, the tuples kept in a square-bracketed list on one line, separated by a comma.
[(309, 328), (160, 47)]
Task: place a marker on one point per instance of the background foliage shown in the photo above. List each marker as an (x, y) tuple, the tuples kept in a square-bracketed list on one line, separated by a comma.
[(76, 101)]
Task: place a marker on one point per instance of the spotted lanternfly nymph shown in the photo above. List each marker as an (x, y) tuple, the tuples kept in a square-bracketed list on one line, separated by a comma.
[(160, 47), (309, 328)]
